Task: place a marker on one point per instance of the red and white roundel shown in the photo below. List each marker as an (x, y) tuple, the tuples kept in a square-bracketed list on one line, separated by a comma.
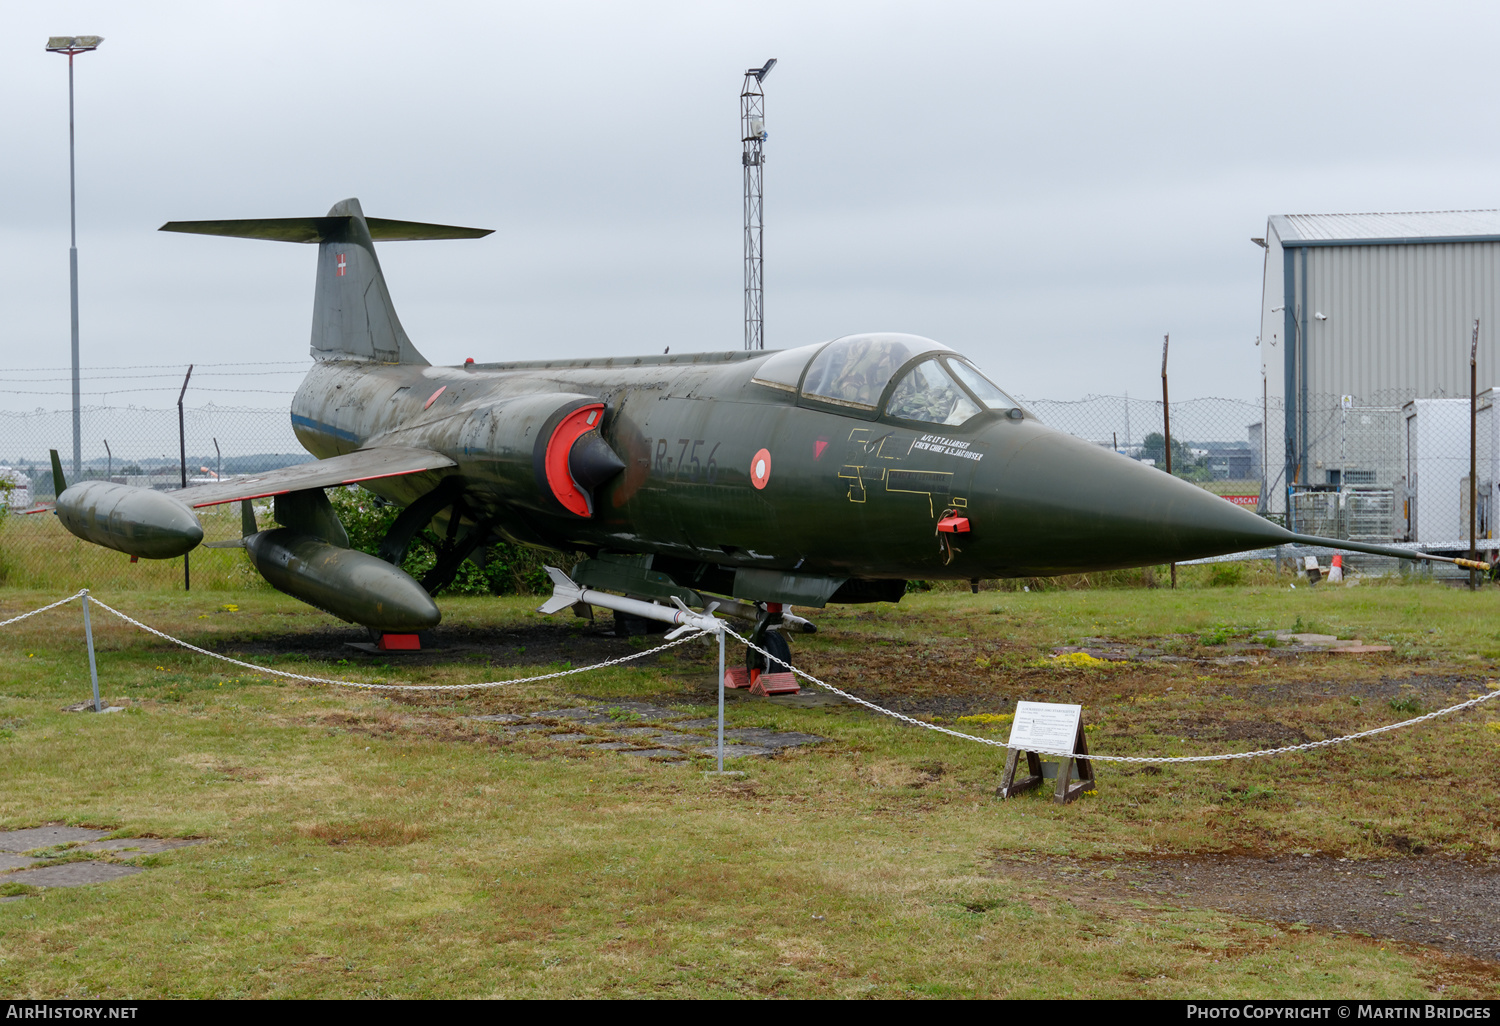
[(760, 468)]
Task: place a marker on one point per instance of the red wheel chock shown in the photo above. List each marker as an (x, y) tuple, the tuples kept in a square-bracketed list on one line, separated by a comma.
[(768, 684)]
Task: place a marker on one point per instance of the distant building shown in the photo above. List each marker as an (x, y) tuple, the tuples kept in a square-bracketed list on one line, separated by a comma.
[(18, 494), (1360, 315)]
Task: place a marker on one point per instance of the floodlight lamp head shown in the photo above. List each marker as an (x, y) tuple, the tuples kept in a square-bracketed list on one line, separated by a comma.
[(1320, 317), (764, 70), (73, 44)]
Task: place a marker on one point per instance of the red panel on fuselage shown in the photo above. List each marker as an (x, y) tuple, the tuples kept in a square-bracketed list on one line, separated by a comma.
[(574, 426)]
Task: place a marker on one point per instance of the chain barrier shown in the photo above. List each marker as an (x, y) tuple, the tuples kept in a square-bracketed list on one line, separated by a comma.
[(59, 602), (993, 743), (912, 721), (351, 683), (396, 687)]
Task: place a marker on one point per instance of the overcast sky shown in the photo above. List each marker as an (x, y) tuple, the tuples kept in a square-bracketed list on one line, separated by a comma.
[(1046, 187)]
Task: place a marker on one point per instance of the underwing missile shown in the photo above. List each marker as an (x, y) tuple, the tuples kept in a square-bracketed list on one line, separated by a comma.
[(351, 585), (566, 593), (137, 521)]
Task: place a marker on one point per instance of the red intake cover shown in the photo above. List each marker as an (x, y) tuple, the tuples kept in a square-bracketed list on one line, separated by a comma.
[(576, 424)]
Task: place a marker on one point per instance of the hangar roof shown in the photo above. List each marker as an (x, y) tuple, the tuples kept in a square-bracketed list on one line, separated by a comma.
[(1387, 229)]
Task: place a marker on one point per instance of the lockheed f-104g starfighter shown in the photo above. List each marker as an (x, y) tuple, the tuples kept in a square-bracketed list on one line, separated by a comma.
[(833, 472)]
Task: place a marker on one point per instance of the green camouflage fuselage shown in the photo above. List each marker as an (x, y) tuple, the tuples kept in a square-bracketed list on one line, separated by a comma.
[(848, 494)]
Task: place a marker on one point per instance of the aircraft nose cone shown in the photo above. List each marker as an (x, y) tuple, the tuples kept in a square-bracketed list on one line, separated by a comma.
[(1052, 504)]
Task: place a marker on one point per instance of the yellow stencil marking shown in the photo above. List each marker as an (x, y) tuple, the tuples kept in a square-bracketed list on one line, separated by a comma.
[(918, 482), (856, 482)]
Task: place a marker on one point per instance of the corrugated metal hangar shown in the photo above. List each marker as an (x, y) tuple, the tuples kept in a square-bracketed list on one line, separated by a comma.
[(1361, 314)]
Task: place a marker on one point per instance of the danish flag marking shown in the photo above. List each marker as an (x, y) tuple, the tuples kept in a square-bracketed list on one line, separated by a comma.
[(342, 264)]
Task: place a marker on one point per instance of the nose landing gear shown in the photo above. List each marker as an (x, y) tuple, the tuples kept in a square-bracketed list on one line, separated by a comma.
[(770, 676)]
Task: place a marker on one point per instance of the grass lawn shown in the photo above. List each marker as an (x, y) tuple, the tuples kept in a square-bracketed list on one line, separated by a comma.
[(365, 844)]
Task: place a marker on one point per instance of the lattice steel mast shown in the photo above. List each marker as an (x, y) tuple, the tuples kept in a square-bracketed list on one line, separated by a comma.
[(753, 136)]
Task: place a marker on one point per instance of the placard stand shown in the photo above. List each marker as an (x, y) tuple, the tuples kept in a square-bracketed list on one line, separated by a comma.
[(1023, 731)]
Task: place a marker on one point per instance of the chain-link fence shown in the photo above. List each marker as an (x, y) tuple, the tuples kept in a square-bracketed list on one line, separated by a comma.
[(136, 446), (1217, 443), (1385, 468), (140, 446)]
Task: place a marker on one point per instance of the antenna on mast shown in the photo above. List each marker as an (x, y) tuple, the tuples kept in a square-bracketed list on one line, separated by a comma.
[(753, 137)]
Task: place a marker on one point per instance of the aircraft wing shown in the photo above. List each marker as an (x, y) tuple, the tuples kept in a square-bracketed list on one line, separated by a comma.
[(350, 468)]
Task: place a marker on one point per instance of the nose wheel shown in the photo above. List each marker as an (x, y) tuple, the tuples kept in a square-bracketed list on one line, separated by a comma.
[(770, 675), (781, 653)]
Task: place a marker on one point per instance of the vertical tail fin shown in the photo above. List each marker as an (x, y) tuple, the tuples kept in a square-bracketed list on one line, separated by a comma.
[(59, 483), (353, 317), (352, 311)]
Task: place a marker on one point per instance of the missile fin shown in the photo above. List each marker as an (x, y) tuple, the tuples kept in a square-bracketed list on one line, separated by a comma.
[(565, 592)]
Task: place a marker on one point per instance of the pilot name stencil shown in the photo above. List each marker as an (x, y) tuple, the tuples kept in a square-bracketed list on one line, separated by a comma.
[(947, 447)]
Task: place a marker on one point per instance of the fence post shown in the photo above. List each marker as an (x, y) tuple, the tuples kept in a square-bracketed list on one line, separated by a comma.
[(1474, 450), (88, 633), (721, 702), (187, 571), (1166, 423)]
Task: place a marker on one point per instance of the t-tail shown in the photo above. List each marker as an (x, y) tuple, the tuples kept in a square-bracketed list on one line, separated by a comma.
[(353, 317)]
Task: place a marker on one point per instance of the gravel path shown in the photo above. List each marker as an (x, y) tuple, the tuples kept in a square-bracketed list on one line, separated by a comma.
[(1444, 902)]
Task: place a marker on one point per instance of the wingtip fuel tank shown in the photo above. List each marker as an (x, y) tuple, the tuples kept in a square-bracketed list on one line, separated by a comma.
[(137, 521)]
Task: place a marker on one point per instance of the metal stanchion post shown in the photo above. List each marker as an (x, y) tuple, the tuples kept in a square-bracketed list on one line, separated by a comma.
[(88, 633), (721, 701)]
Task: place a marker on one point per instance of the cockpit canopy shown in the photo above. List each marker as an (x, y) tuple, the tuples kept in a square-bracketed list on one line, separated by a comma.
[(856, 371)]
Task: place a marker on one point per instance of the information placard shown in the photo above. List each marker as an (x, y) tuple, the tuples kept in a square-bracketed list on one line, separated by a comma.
[(1045, 726)]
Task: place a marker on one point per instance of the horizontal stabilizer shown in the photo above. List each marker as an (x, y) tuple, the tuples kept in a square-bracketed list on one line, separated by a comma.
[(350, 468), (323, 229)]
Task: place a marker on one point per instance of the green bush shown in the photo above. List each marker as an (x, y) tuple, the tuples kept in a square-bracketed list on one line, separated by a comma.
[(507, 570), (1226, 575)]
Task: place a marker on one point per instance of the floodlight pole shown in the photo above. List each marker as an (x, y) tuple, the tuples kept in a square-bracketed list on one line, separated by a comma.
[(73, 275), (752, 138), (72, 48)]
